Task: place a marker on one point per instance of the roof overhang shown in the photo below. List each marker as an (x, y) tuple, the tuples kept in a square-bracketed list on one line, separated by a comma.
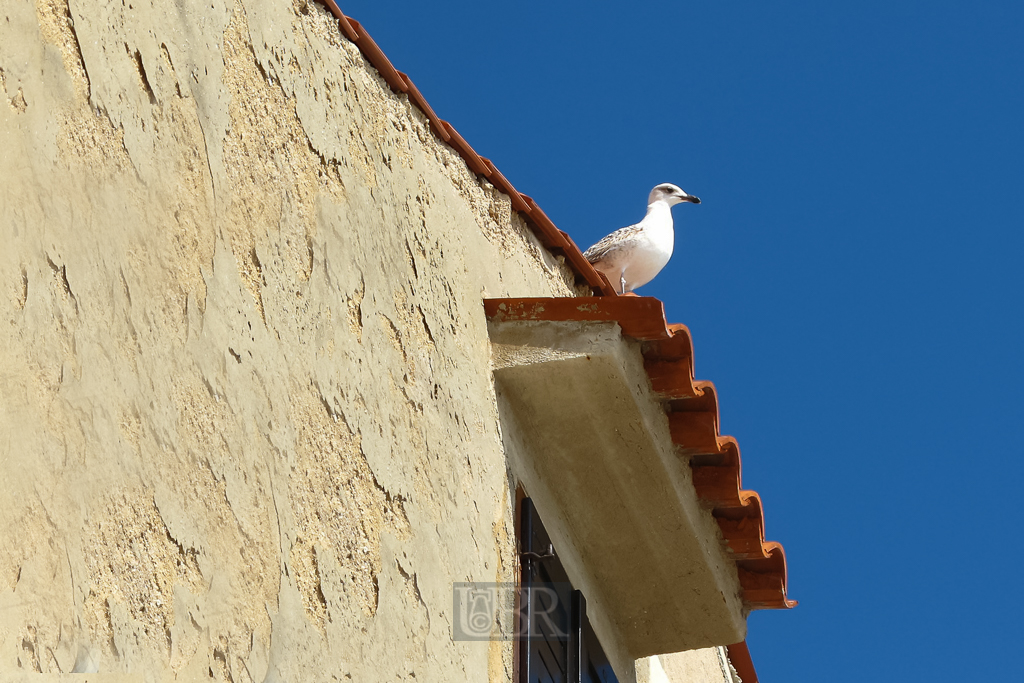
[(619, 449), (667, 351)]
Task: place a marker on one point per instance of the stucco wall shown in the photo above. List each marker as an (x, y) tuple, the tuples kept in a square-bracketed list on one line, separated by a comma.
[(247, 425), (706, 665)]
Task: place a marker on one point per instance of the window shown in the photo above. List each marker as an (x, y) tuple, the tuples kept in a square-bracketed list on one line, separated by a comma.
[(559, 645)]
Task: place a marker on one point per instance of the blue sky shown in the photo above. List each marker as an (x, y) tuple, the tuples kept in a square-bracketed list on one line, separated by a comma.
[(852, 279)]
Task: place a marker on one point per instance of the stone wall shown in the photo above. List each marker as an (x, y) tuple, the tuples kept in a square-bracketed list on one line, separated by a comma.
[(247, 424)]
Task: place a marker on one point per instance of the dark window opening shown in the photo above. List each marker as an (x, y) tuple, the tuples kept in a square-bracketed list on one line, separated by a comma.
[(558, 645)]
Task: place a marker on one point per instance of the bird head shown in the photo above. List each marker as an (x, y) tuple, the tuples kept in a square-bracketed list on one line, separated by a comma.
[(672, 194)]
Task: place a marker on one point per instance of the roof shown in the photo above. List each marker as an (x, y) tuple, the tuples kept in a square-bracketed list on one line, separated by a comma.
[(739, 657), (553, 239), (692, 408), (668, 358)]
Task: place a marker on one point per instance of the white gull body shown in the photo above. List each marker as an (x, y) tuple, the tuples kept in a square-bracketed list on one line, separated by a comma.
[(632, 256)]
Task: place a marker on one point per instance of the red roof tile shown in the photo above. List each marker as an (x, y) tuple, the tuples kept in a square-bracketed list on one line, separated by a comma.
[(668, 359), (551, 237), (693, 423), (739, 655)]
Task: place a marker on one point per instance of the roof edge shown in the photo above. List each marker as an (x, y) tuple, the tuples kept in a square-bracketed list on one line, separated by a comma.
[(553, 239), (714, 459), (739, 657)]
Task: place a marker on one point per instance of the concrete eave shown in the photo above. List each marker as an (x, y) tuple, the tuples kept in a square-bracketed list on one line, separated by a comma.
[(592, 444)]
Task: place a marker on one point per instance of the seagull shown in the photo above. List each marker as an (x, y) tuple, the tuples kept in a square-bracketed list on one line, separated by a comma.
[(632, 256)]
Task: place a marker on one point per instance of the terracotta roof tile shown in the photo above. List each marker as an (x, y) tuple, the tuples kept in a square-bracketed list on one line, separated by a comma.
[(693, 423), (550, 236), (668, 360), (739, 655)]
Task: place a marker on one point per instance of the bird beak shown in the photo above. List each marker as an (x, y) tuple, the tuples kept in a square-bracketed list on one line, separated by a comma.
[(690, 198)]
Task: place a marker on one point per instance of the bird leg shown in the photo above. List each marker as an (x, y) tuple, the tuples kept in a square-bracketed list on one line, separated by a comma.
[(622, 283)]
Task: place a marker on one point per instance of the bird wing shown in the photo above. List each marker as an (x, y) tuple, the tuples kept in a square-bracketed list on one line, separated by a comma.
[(611, 243)]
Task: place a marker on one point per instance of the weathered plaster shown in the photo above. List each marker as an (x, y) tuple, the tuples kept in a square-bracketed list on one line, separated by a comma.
[(707, 665), (589, 439), (247, 421)]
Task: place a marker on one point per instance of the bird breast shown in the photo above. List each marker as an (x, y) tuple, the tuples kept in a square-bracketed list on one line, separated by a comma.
[(647, 259), (659, 233)]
